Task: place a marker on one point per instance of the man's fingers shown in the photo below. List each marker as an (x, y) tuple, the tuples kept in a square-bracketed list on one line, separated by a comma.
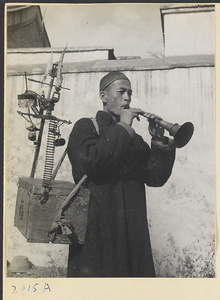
[(155, 129), (151, 116)]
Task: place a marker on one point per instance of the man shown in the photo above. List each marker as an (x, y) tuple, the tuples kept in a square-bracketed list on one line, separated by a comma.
[(118, 164)]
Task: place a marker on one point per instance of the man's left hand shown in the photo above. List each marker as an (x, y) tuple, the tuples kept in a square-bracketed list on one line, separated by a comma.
[(157, 131)]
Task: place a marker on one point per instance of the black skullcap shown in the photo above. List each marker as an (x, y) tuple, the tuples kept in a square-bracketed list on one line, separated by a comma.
[(111, 77)]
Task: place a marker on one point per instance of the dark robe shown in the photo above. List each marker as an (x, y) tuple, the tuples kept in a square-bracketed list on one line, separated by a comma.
[(118, 166)]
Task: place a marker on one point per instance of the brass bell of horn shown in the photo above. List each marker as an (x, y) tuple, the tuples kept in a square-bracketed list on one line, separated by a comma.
[(181, 133)]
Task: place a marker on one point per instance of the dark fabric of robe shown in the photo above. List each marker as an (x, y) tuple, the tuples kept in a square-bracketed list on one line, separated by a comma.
[(118, 166)]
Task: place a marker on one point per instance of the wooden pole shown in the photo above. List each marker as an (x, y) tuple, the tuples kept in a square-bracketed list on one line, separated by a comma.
[(37, 150), (59, 165)]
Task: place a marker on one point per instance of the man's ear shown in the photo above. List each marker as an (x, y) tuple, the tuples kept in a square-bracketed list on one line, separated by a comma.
[(102, 96)]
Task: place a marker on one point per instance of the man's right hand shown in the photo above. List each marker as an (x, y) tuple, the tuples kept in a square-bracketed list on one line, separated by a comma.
[(127, 115)]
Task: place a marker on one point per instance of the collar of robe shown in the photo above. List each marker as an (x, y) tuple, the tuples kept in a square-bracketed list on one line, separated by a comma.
[(105, 118)]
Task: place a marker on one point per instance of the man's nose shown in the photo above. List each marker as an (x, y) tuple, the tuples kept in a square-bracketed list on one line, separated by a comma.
[(127, 97)]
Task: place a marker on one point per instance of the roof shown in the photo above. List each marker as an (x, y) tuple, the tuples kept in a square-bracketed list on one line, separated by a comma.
[(25, 27), (183, 9)]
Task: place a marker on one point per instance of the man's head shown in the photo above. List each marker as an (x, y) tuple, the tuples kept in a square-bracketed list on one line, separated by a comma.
[(115, 92)]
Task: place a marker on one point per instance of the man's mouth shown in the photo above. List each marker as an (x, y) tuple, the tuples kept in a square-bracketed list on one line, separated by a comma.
[(125, 106)]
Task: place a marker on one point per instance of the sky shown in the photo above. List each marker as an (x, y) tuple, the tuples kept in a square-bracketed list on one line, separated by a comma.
[(131, 29)]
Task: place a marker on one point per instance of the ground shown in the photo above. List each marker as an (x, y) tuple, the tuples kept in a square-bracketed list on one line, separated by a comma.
[(39, 272)]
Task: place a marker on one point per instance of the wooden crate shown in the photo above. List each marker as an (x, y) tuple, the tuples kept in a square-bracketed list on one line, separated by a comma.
[(34, 219)]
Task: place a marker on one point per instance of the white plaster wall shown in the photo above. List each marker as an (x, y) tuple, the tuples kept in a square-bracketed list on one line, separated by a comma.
[(183, 207), (189, 33)]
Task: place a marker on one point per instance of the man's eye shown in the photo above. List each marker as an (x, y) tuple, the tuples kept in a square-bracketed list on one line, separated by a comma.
[(122, 92)]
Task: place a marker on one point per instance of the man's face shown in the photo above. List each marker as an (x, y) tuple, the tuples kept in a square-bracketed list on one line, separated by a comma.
[(117, 96)]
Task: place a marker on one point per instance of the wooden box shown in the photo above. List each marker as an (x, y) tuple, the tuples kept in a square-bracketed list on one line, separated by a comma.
[(34, 219)]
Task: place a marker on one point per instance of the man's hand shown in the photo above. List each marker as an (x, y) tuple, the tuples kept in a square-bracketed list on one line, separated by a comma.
[(157, 131), (127, 115)]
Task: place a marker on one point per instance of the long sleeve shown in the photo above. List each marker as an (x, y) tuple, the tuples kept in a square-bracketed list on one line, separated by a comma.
[(96, 155), (158, 168), (151, 165)]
